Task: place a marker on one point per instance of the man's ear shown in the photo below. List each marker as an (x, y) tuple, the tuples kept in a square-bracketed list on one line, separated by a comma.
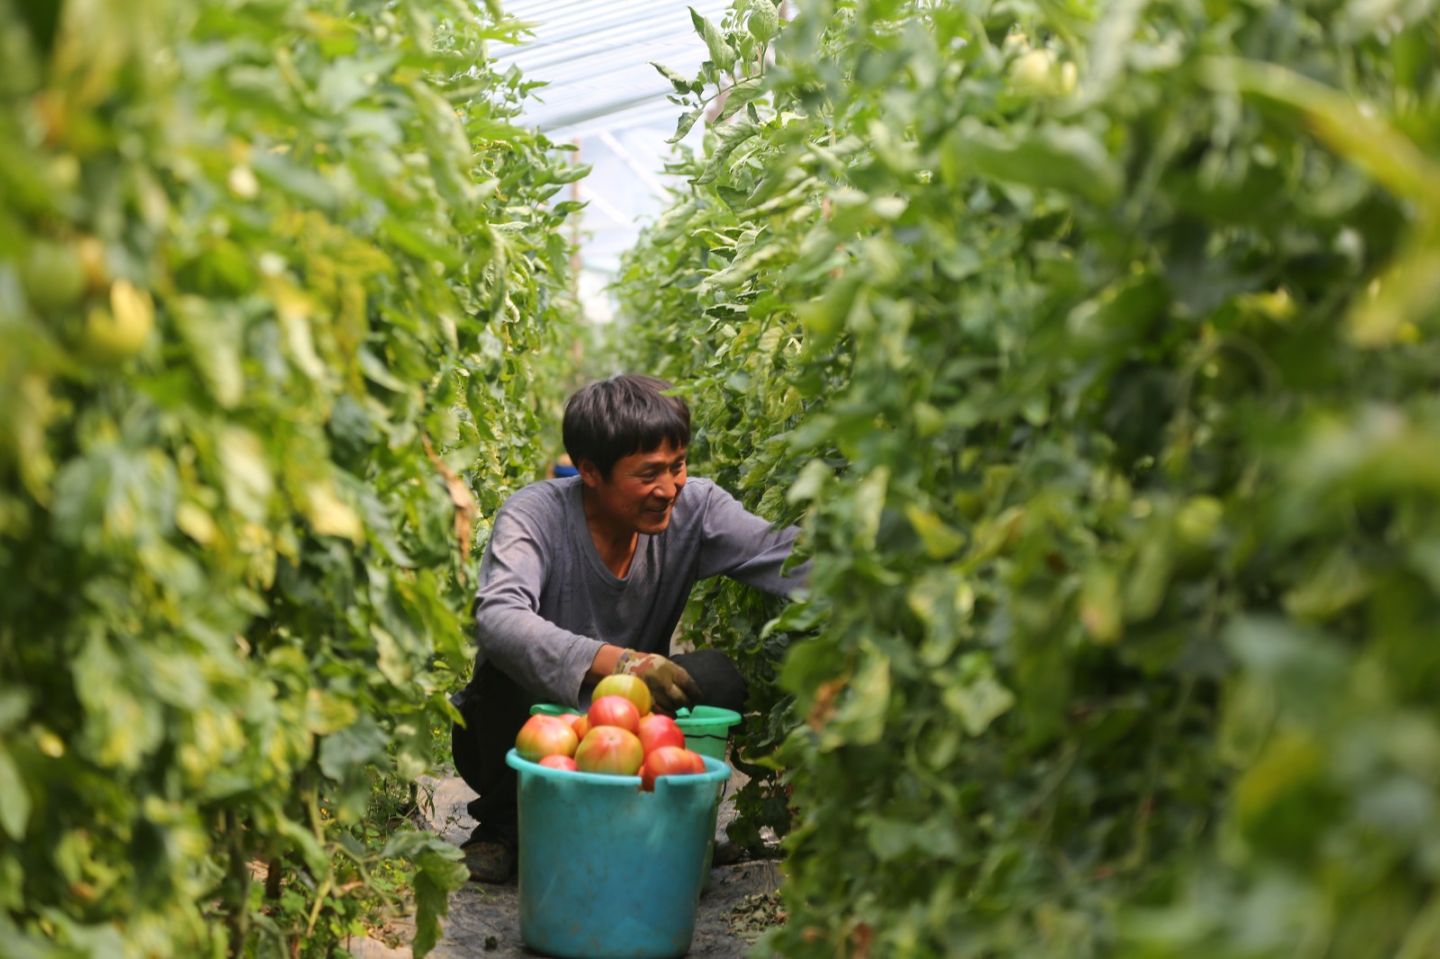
[(590, 474)]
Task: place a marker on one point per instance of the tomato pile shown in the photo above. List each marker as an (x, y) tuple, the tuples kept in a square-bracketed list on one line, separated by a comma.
[(618, 735)]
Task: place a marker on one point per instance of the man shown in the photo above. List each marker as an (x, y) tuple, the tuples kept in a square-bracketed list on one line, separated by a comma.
[(586, 576)]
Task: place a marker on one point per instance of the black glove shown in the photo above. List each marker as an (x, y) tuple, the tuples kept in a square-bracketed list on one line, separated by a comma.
[(670, 686)]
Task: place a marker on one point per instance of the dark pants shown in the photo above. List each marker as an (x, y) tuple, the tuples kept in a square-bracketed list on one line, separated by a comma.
[(495, 707)]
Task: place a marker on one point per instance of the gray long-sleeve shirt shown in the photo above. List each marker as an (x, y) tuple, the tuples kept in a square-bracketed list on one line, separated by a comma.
[(547, 602)]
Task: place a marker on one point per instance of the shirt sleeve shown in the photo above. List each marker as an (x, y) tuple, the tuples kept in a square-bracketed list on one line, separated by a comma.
[(546, 660), (745, 547)]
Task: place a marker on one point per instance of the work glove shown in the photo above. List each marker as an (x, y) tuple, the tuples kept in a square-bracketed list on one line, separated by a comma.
[(670, 685)]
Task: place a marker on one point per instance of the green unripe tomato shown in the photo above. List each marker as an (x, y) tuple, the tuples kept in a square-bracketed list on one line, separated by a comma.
[(1039, 73), (1199, 520), (53, 275)]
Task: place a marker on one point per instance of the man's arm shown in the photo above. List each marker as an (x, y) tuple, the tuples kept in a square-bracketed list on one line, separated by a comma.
[(551, 662), (748, 548), (606, 658), (531, 650)]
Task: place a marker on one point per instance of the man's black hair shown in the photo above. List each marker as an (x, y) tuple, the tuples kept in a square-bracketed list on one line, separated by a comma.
[(625, 414)]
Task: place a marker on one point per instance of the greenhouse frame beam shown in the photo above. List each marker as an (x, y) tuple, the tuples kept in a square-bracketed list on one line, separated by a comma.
[(619, 149)]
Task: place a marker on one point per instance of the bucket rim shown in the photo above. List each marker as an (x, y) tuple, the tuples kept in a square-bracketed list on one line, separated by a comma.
[(712, 716), (554, 709), (716, 771)]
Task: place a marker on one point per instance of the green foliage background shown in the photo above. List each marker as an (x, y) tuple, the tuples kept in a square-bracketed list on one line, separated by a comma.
[(1096, 347), (280, 296)]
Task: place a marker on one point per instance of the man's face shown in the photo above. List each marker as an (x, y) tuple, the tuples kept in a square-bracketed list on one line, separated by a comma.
[(641, 490)]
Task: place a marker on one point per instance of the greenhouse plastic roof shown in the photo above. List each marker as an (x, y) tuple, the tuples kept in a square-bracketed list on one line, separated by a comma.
[(595, 57), (603, 95)]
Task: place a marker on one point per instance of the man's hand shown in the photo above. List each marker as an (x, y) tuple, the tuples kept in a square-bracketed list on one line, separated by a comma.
[(670, 686)]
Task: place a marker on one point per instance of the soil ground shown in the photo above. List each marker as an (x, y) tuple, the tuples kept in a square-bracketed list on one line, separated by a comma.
[(484, 919)]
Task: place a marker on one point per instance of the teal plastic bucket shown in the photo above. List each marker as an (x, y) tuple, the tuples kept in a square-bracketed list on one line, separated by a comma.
[(706, 728), (608, 871)]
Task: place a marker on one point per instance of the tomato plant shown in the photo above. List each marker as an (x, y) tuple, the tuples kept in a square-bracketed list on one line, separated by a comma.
[(1088, 344), (277, 281)]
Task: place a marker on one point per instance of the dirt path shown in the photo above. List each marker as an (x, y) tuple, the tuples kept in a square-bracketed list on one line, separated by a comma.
[(484, 919)]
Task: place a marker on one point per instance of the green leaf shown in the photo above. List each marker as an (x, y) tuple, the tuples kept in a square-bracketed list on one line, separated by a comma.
[(1396, 304), (720, 52), (824, 318), (571, 172), (683, 125), (14, 798), (979, 702), (940, 540), (358, 745), (812, 479), (1357, 134), (440, 873), (328, 713), (298, 182), (413, 240), (1111, 39), (869, 502), (896, 838), (1066, 158), (1337, 583), (214, 338), (860, 720), (311, 851), (248, 481), (681, 84), (14, 705)]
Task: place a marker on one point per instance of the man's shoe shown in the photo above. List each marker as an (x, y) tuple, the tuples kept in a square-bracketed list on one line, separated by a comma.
[(489, 860)]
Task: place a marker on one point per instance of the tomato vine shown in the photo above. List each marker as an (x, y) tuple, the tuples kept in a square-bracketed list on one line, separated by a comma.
[(281, 297), (1091, 345)]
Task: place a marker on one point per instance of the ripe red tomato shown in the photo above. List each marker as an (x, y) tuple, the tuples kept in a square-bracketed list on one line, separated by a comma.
[(610, 749), (669, 761), (577, 722), (614, 711), (545, 736), (656, 730), (559, 762)]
